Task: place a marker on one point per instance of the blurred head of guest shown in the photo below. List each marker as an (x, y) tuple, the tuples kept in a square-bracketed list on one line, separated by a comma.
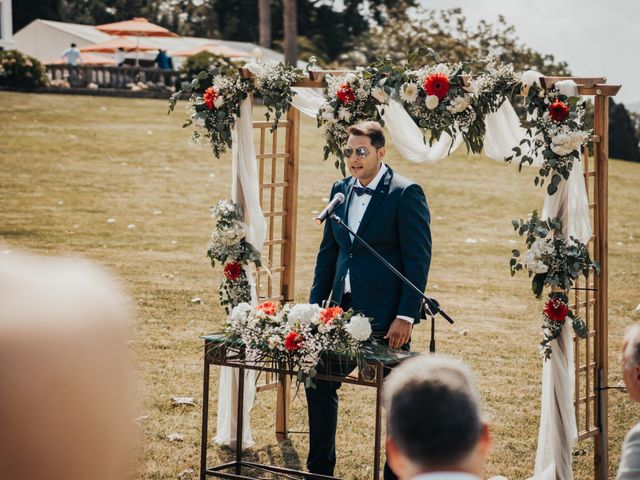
[(435, 426), (66, 407)]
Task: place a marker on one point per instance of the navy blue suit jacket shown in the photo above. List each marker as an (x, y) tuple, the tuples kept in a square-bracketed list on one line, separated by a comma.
[(396, 225)]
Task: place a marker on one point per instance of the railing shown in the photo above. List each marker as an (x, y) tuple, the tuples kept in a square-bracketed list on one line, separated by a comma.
[(107, 76)]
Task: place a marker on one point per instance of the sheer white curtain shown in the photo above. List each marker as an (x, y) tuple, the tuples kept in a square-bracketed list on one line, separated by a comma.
[(245, 191)]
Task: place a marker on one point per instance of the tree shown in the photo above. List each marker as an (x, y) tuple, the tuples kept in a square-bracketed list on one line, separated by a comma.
[(264, 8), (623, 141), (290, 32), (404, 29), (25, 11)]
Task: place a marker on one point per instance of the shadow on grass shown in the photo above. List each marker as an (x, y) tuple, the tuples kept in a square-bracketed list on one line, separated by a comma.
[(270, 455)]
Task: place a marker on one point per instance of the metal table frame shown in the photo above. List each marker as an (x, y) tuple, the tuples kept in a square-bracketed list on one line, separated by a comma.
[(216, 353)]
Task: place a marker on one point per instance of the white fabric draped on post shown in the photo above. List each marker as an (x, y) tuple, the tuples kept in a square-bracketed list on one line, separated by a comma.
[(558, 431), (245, 191)]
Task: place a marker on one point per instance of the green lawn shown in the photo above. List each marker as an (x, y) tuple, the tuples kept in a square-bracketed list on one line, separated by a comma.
[(69, 164)]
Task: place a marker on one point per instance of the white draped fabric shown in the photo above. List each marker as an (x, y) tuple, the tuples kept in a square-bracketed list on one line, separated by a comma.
[(245, 191), (558, 431)]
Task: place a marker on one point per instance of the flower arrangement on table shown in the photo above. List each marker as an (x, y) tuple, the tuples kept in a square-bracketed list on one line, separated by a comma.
[(554, 261), (230, 247), (296, 336), (554, 130)]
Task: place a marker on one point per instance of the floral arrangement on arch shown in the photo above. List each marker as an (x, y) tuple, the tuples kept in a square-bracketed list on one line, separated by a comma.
[(554, 261), (230, 247), (555, 131), (349, 99), (215, 98), (440, 98), (296, 335)]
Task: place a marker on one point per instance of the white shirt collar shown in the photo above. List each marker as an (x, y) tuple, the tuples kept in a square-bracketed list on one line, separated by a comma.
[(376, 180), (446, 476)]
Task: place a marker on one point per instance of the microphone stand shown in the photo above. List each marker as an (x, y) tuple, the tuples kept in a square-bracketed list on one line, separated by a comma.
[(430, 306)]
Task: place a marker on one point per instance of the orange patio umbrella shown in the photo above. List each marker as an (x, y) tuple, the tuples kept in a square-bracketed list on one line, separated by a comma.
[(136, 27), (214, 48), (110, 46)]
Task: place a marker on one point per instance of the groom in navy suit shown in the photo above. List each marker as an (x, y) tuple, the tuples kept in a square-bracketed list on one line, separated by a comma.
[(390, 213)]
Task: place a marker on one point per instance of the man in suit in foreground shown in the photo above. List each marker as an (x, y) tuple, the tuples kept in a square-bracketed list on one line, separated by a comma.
[(390, 213), (435, 429), (629, 468)]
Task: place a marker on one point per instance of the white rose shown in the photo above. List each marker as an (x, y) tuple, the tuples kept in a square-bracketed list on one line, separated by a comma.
[(359, 327), (350, 77), (344, 114), (327, 115), (431, 101), (529, 78), (379, 94), (239, 313), (458, 104), (409, 93), (274, 342), (534, 264), (304, 313), (218, 102)]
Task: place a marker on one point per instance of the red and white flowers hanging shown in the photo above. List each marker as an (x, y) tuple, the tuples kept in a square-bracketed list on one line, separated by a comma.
[(229, 246)]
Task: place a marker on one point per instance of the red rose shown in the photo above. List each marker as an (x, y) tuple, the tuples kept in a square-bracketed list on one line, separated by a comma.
[(210, 96), (293, 341), (556, 310), (437, 84), (345, 94), (329, 314), (269, 308), (559, 111), (232, 270)]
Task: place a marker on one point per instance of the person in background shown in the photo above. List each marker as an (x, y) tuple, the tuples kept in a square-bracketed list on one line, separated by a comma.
[(72, 55), (629, 468), (121, 56), (163, 61), (435, 425)]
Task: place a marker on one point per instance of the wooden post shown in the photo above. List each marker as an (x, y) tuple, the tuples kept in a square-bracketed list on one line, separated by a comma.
[(288, 276), (282, 408), (290, 204), (601, 153)]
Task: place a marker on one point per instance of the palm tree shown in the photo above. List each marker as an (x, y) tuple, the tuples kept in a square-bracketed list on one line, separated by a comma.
[(264, 9), (290, 32)]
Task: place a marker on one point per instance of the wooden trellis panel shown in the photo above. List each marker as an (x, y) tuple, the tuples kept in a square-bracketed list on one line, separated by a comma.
[(277, 156), (278, 169), (590, 298)]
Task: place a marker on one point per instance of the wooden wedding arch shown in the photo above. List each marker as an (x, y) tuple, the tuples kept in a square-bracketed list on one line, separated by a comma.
[(278, 164)]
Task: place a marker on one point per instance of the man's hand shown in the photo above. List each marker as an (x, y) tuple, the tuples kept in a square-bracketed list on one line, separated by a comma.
[(399, 333)]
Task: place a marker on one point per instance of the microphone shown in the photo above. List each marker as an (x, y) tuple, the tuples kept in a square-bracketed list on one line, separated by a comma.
[(338, 198)]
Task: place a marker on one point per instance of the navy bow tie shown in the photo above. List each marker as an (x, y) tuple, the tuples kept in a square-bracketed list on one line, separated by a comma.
[(363, 191)]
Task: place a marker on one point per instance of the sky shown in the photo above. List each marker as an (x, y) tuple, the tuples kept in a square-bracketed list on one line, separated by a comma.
[(595, 37)]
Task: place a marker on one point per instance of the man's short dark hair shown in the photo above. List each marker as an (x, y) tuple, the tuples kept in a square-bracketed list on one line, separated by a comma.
[(373, 130), (433, 411), (73, 45)]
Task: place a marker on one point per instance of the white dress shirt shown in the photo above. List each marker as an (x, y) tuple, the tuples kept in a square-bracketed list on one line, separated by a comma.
[(357, 206)]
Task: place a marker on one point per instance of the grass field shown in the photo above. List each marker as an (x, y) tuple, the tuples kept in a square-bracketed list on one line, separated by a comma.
[(69, 164)]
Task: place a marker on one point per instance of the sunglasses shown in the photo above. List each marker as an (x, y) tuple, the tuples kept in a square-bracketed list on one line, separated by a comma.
[(362, 152)]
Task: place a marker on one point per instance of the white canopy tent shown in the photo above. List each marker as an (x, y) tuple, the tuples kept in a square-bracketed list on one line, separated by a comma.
[(46, 39)]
